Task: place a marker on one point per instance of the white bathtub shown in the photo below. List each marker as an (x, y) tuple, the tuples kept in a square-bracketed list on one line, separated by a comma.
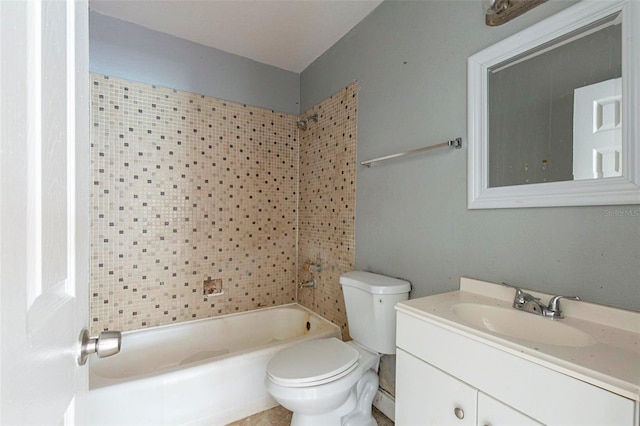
[(204, 372)]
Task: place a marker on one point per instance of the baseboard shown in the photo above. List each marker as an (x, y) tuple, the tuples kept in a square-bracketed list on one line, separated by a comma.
[(386, 403)]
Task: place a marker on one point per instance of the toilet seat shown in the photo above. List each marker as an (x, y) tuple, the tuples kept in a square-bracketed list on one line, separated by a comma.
[(312, 363)]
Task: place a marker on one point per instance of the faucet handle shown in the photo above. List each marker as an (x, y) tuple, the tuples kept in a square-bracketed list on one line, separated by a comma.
[(554, 304), (519, 296)]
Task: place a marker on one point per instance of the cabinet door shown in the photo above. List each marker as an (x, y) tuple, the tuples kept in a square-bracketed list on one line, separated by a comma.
[(492, 412), (428, 396)]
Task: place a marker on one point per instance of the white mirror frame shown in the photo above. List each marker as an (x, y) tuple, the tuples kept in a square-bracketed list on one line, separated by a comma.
[(609, 191)]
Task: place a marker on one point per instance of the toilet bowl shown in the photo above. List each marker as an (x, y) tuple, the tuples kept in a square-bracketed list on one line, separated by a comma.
[(322, 381), (328, 382)]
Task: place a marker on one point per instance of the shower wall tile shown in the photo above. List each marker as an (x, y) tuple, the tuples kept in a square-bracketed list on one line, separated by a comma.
[(187, 188), (327, 203)]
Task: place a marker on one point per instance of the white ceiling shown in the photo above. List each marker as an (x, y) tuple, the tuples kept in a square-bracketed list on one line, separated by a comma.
[(288, 34)]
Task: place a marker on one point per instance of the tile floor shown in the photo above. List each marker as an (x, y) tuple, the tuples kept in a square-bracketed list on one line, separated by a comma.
[(279, 416)]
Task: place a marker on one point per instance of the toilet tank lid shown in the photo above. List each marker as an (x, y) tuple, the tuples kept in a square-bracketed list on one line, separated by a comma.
[(374, 283)]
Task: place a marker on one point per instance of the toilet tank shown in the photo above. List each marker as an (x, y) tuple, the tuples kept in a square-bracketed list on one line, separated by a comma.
[(369, 300)]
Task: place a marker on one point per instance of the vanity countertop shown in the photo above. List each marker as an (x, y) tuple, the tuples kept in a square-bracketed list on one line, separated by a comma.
[(612, 362)]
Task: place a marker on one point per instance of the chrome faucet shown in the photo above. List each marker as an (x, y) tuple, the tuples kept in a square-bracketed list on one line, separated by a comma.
[(310, 284), (553, 310), (528, 303)]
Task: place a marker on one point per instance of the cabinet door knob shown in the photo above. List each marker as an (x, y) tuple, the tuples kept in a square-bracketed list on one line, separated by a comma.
[(459, 412)]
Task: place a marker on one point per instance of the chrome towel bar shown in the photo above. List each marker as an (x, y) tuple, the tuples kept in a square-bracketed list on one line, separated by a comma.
[(455, 143)]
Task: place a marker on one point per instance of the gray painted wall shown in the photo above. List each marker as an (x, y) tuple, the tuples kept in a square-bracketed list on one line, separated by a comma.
[(121, 49), (411, 217)]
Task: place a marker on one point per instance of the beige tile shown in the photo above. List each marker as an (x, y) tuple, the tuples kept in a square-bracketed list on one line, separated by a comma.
[(327, 202), (280, 416), (185, 188), (188, 187)]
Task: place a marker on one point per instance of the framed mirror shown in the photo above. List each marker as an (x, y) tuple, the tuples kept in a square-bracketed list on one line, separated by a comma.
[(553, 112)]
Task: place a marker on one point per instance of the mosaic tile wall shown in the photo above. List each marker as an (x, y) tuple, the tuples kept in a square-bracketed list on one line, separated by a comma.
[(188, 188), (327, 202)]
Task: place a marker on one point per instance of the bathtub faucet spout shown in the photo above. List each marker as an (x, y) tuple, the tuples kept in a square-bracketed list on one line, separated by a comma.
[(310, 284)]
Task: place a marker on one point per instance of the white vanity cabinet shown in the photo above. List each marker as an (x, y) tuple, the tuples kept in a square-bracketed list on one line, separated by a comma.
[(444, 377), (426, 395), (492, 412)]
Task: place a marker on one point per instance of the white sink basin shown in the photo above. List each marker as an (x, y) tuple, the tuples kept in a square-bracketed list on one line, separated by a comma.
[(521, 325)]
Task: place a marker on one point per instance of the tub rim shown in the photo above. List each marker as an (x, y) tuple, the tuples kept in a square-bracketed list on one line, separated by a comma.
[(97, 381)]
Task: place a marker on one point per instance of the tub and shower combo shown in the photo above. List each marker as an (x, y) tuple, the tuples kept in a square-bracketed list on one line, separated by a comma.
[(209, 371)]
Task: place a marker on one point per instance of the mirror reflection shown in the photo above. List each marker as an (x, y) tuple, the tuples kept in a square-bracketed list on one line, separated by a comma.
[(554, 112)]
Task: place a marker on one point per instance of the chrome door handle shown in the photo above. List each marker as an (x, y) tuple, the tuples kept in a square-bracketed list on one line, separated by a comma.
[(106, 344)]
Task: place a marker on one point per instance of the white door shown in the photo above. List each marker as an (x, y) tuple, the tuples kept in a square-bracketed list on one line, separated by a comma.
[(597, 130), (44, 185)]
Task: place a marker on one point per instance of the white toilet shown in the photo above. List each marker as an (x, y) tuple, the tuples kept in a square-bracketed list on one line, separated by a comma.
[(329, 382)]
